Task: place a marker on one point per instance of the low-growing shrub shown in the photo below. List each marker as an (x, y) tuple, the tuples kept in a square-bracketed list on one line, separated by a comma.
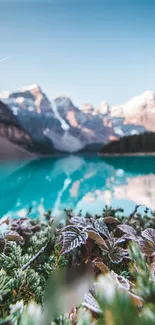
[(119, 249)]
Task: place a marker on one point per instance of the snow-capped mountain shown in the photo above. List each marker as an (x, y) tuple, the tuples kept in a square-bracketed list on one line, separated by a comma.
[(60, 126), (29, 98), (136, 105), (139, 110)]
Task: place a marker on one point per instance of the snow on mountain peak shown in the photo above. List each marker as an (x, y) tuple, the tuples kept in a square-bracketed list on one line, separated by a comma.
[(34, 89), (4, 94), (135, 105), (31, 87), (86, 107), (103, 108), (61, 125)]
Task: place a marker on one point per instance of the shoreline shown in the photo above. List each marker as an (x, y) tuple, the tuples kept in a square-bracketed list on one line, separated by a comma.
[(35, 156), (138, 154)]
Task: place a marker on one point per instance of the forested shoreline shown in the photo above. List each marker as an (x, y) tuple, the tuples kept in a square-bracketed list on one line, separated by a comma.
[(133, 144)]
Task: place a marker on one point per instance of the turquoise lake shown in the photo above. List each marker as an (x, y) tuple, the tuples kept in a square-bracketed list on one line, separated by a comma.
[(84, 183)]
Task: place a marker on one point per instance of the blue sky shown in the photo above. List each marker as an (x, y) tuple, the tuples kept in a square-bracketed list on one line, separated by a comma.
[(90, 50)]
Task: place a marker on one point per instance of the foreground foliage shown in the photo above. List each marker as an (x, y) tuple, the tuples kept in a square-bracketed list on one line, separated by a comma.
[(119, 249)]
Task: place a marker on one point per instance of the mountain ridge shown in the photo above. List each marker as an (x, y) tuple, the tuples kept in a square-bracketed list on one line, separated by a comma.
[(60, 126)]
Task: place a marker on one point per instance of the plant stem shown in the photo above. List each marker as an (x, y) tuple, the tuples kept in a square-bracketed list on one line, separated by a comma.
[(133, 213), (41, 251)]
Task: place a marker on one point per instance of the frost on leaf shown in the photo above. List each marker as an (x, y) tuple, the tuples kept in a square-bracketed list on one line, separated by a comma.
[(147, 244), (91, 303), (13, 236), (71, 228), (72, 239), (101, 227), (129, 231), (118, 241), (79, 221), (147, 247), (117, 254), (149, 234), (122, 282)]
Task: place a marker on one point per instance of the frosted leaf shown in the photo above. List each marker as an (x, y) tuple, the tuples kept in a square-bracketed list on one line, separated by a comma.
[(91, 303), (71, 240)]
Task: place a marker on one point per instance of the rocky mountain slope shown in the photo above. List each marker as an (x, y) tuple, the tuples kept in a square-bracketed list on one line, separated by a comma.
[(29, 120)]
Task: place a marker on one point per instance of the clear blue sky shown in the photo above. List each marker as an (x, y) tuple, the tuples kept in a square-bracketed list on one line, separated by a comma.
[(89, 50)]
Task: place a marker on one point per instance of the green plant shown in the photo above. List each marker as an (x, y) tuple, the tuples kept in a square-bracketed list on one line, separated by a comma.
[(120, 249)]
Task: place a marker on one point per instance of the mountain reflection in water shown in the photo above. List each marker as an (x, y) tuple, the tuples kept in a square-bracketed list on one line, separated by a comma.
[(77, 182)]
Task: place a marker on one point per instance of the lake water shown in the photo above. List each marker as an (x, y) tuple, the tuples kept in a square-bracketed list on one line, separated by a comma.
[(77, 182)]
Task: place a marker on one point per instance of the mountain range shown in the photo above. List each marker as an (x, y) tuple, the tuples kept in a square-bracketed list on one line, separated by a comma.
[(31, 124)]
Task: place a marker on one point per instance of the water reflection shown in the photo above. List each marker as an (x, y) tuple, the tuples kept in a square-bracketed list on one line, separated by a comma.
[(77, 182)]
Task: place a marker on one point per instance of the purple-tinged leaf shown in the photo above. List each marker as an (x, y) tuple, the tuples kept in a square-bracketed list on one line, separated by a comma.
[(149, 234), (101, 227), (79, 221), (147, 247), (117, 254), (97, 238), (111, 220), (13, 236), (70, 228), (131, 237), (129, 231), (91, 303), (114, 242), (122, 282), (71, 240), (118, 241)]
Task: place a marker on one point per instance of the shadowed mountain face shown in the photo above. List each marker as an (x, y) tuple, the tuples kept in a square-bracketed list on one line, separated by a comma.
[(14, 139), (21, 133), (76, 182), (60, 126)]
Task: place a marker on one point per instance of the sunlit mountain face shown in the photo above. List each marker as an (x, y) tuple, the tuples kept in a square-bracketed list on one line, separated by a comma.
[(77, 182)]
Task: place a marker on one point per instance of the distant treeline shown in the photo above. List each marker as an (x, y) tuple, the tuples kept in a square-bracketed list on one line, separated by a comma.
[(144, 142)]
